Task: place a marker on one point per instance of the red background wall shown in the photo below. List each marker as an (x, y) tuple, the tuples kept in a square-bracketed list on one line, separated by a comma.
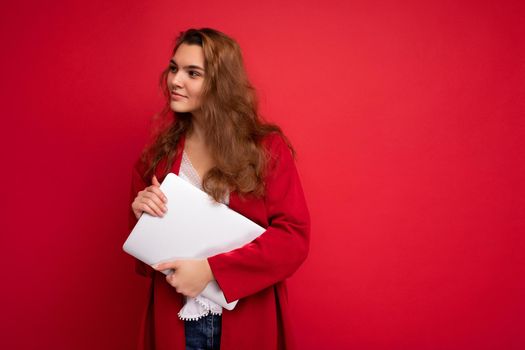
[(408, 117)]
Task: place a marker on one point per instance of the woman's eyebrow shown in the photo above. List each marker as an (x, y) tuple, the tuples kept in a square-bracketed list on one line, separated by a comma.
[(191, 66)]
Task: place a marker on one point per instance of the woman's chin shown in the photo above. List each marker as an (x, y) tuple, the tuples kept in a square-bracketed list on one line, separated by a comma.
[(176, 107)]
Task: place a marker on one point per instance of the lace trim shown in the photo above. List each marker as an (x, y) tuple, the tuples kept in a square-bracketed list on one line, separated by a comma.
[(196, 318), (189, 173), (188, 318), (206, 309), (202, 303)]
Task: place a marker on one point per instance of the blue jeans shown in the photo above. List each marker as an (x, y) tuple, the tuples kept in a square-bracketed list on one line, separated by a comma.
[(204, 333)]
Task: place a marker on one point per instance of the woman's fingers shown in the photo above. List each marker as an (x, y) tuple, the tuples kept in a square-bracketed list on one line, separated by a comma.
[(167, 265), (158, 192), (156, 199), (150, 200), (152, 206), (149, 203), (136, 210), (141, 205), (154, 181)]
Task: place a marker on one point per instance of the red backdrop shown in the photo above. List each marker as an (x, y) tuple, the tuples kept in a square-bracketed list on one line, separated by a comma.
[(408, 118)]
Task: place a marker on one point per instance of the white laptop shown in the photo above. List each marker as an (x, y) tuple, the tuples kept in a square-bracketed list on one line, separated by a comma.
[(194, 227)]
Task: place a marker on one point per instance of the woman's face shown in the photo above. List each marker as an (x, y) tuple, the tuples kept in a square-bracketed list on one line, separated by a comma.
[(186, 78)]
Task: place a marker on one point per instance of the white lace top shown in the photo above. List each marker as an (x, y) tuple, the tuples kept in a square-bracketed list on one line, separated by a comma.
[(195, 308)]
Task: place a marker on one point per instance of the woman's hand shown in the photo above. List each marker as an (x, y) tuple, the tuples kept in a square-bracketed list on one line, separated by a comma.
[(150, 200), (189, 277)]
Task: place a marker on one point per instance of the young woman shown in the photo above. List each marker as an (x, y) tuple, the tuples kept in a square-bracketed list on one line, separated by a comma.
[(217, 141)]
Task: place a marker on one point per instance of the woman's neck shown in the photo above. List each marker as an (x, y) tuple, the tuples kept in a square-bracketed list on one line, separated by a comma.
[(197, 130)]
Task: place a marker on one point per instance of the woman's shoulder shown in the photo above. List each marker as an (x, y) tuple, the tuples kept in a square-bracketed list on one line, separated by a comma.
[(275, 142), (278, 150)]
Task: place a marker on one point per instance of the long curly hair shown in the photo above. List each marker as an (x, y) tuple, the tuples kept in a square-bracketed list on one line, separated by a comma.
[(233, 127)]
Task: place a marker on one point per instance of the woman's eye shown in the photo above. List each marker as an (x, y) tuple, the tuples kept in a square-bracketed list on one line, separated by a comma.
[(173, 68), (193, 73)]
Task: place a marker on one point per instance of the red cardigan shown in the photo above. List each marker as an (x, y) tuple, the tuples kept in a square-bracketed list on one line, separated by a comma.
[(255, 273)]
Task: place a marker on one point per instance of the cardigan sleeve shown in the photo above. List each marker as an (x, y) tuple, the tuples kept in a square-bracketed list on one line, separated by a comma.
[(281, 249), (137, 185)]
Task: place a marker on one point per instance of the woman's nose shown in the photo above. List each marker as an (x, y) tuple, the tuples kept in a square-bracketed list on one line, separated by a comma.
[(176, 79)]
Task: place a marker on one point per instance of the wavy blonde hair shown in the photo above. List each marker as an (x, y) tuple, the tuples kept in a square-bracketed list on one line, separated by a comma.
[(233, 127)]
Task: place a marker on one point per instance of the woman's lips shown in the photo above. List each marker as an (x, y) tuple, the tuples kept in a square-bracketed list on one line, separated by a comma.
[(175, 96)]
